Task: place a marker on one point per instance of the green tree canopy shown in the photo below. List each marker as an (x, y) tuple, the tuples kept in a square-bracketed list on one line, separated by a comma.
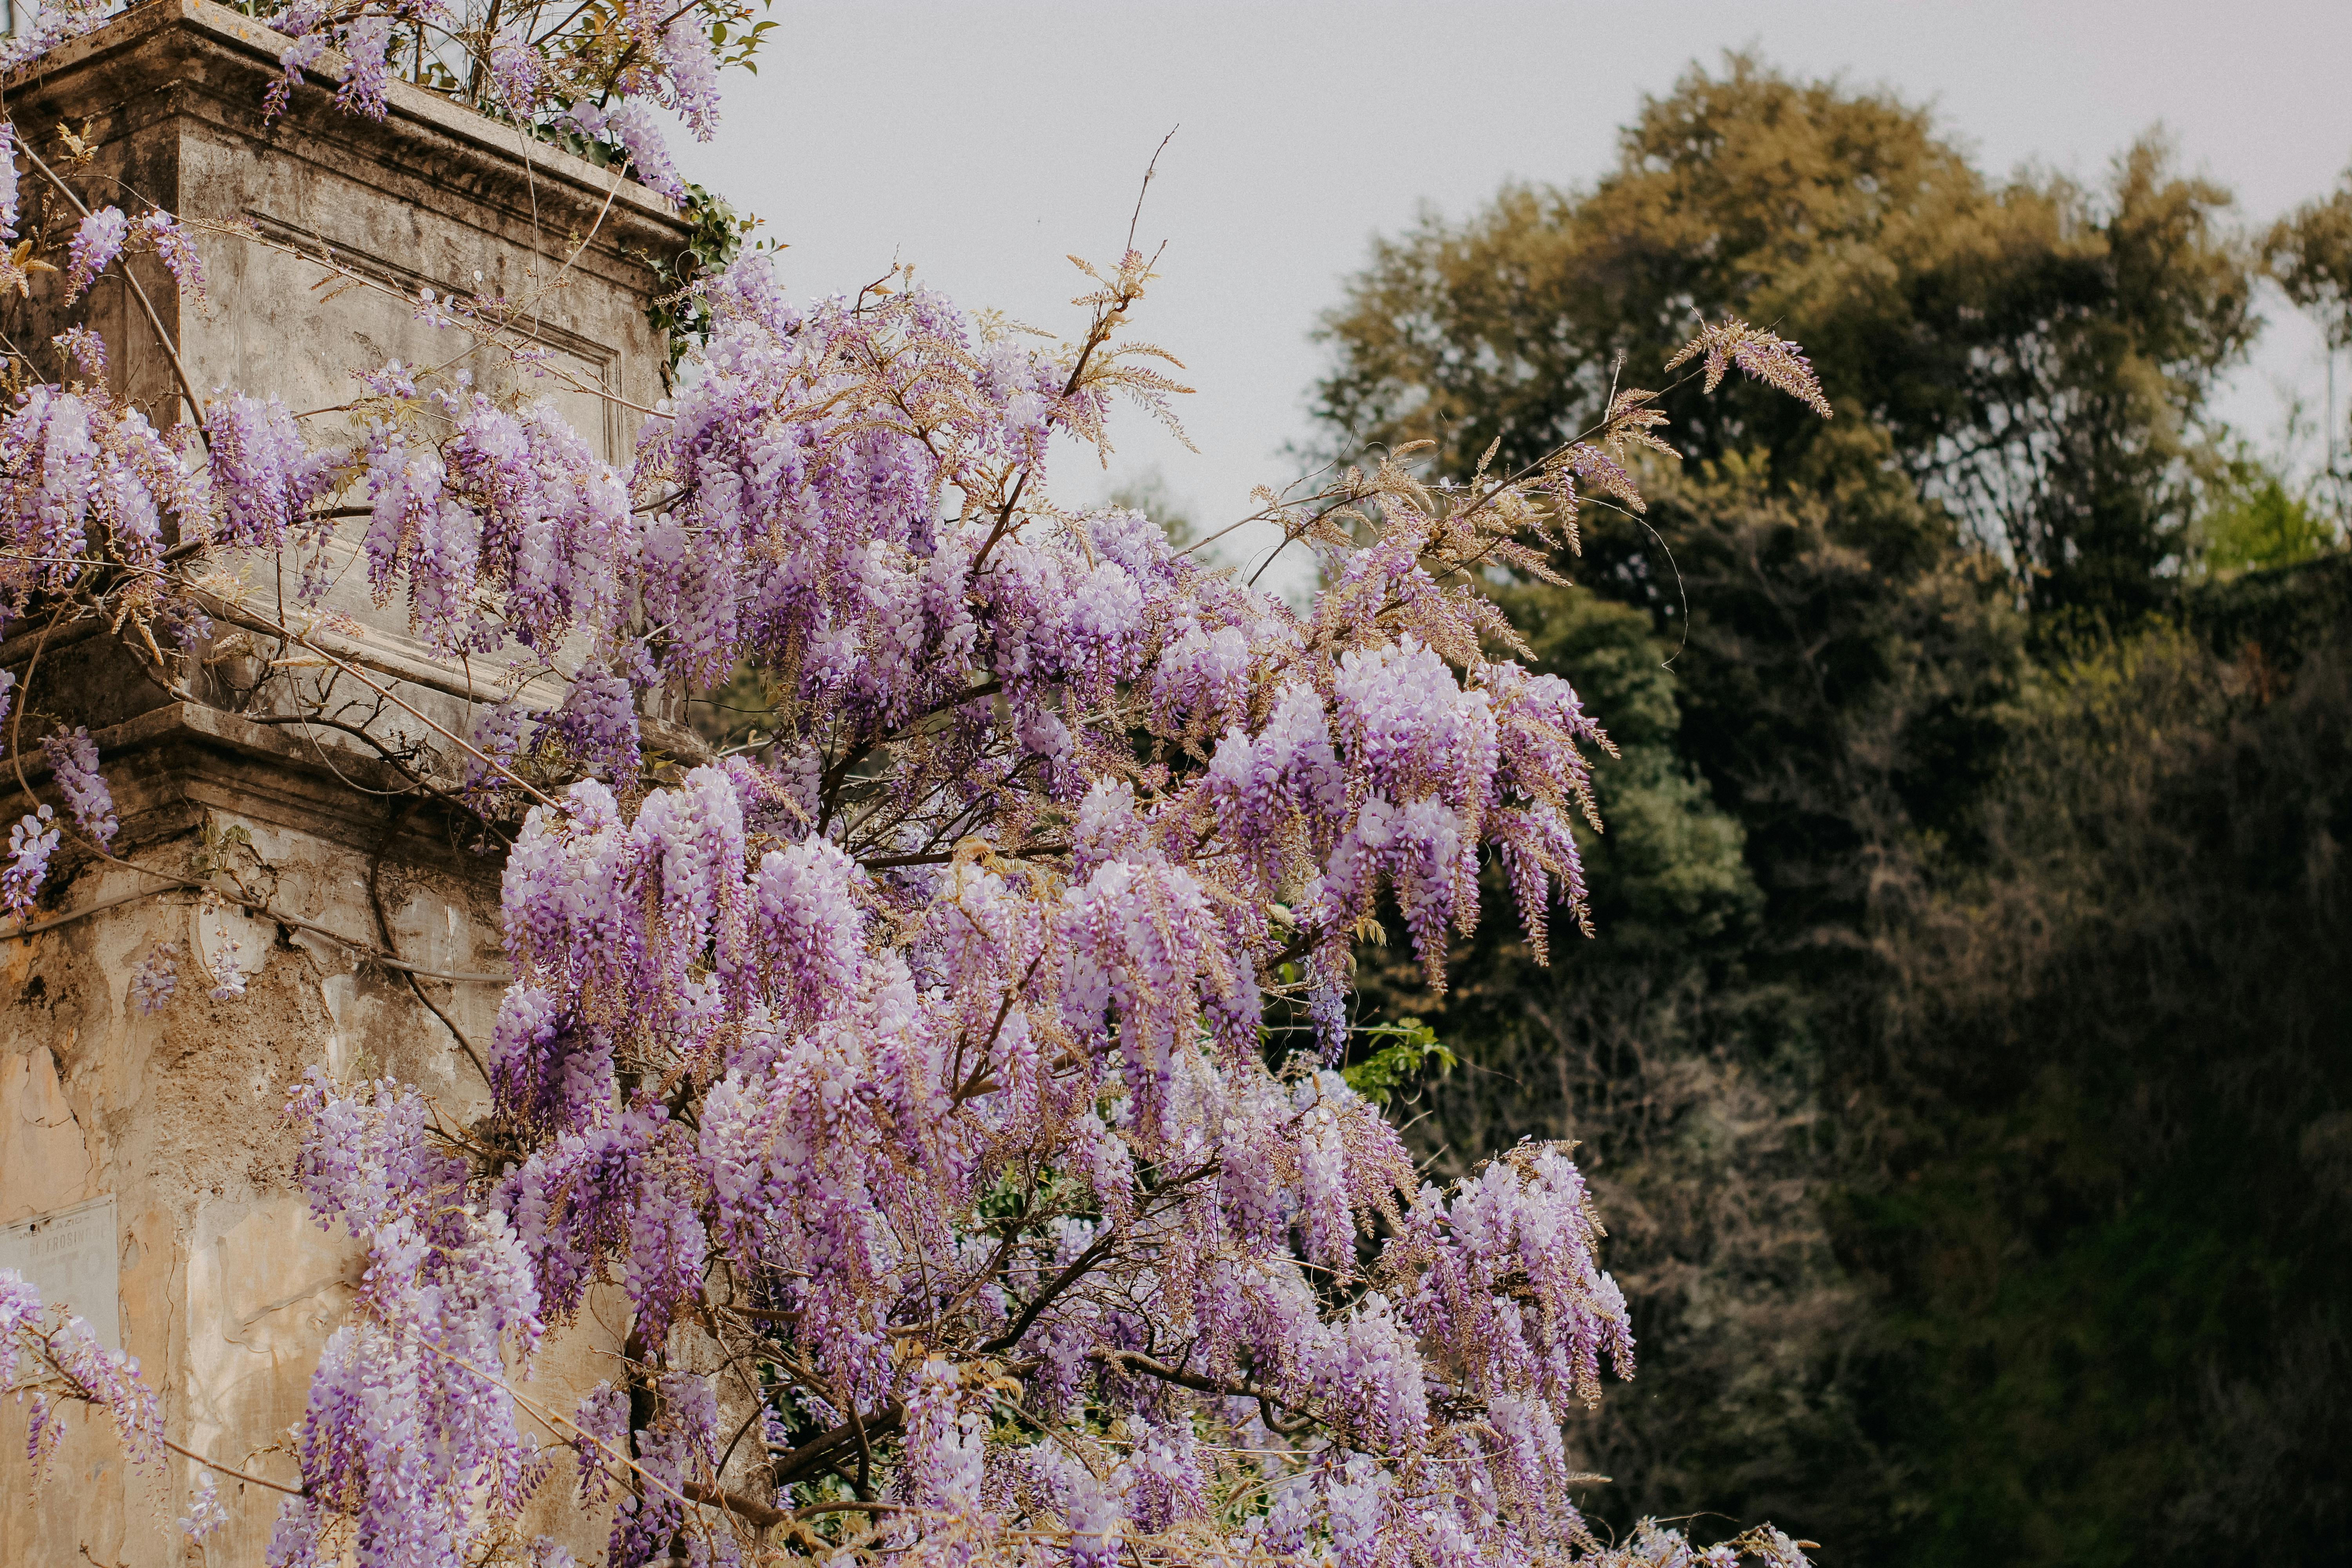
[(2033, 355), (2310, 254)]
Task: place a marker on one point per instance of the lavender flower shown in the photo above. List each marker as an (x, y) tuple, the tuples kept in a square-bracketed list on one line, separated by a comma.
[(300, 22), (59, 1355), (177, 250), (8, 180), (156, 980), (229, 974), (30, 843), (205, 1513), (82, 479), (263, 478), (96, 243), (1767, 356), (84, 349), (694, 73), (519, 74), (367, 40), (599, 722), (629, 125), (74, 760)]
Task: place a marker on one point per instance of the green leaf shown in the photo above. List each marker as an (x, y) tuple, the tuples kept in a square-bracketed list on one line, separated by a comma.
[(1413, 1051)]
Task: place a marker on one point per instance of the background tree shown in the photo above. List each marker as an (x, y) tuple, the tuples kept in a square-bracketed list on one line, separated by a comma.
[(1968, 1209), (2309, 252), (2031, 356), (2097, 1146)]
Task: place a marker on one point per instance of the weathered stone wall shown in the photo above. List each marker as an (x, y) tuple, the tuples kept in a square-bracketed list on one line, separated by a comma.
[(227, 1286), (434, 196)]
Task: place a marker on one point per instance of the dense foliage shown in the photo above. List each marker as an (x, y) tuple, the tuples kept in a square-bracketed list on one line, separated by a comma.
[(2030, 354), (1975, 1148), (945, 1078)]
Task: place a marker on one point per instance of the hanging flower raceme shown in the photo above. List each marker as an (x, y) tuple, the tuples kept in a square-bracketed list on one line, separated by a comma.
[(95, 245), (73, 761), (176, 249), (262, 478), (31, 841), (51, 1358), (411, 1428), (85, 483)]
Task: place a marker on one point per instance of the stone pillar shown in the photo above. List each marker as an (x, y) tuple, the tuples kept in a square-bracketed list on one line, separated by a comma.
[(165, 1126)]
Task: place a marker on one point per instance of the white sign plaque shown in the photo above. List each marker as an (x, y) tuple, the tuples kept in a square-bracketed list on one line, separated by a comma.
[(70, 1257)]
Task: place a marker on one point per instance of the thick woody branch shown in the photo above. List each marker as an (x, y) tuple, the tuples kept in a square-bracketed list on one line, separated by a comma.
[(814, 1453), (1135, 1361), (759, 1515)]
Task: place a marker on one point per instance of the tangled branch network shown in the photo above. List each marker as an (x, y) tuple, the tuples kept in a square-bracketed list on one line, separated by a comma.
[(944, 1077)]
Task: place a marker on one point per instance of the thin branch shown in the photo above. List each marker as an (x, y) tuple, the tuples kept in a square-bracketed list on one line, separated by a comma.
[(238, 1475), (1149, 170), (808, 1456), (179, 368)]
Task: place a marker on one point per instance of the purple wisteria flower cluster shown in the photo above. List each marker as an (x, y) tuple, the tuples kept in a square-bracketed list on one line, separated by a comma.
[(73, 759), (598, 74), (51, 1358), (960, 1054), (95, 245), (942, 1088)]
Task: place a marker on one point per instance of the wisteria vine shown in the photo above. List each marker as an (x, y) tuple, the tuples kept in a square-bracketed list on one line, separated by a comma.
[(945, 1079)]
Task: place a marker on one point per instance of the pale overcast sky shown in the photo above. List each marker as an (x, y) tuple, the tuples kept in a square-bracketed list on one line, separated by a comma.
[(982, 142)]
